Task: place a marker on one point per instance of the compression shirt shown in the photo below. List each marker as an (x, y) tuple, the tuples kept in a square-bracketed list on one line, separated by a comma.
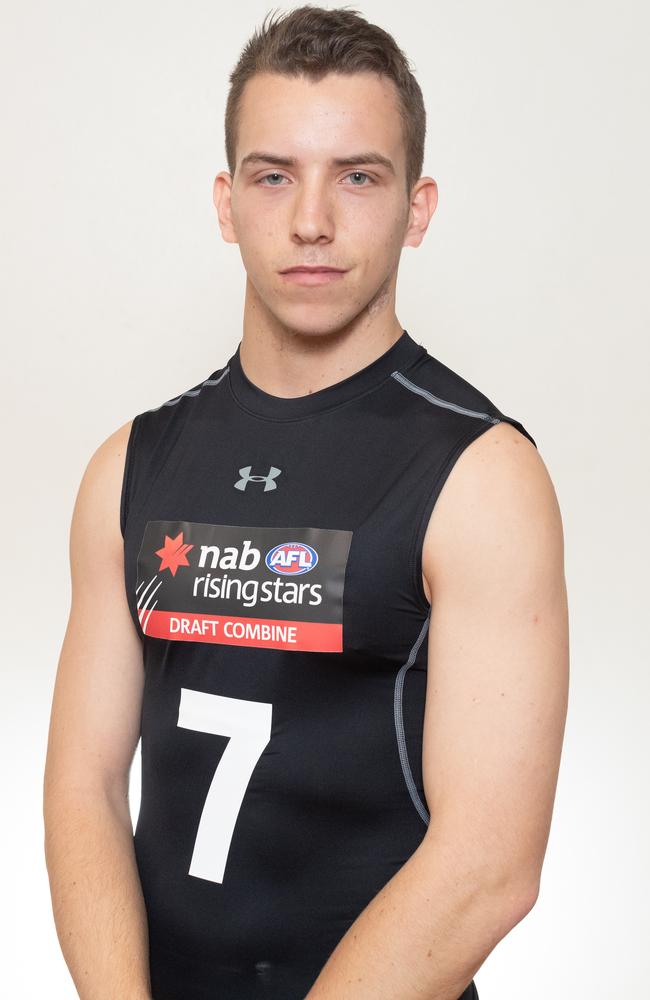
[(273, 569)]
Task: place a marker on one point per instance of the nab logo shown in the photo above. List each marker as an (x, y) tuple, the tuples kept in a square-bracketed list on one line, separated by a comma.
[(173, 553), (291, 558)]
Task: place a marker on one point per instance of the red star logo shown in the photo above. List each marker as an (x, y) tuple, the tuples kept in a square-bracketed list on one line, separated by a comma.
[(174, 553)]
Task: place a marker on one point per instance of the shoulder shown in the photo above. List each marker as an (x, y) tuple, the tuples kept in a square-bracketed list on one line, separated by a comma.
[(159, 419), (497, 520), (106, 464), (96, 512), (183, 399), (434, 393)]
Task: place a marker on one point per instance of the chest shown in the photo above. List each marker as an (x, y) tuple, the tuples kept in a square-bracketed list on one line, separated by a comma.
[(279, 540)]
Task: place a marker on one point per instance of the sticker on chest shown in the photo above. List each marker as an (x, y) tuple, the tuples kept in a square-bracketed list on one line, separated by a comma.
[(276, 588)]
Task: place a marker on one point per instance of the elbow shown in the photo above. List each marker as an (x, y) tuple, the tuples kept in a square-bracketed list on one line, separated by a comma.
[(490, 880), (518, 895), (510, 893)]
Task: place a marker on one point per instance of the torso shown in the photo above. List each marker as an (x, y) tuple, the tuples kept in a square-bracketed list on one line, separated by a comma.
[(285, 658)]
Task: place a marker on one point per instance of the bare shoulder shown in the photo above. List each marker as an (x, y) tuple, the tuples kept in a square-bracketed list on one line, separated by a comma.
[(98, 497), (497, 509), (115, 444), (107, 461)]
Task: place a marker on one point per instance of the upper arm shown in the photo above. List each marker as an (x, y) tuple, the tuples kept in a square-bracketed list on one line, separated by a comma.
[(95, 714), (498, 659)]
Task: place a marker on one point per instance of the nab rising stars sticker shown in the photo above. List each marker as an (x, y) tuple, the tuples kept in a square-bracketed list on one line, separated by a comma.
[(243, 586)]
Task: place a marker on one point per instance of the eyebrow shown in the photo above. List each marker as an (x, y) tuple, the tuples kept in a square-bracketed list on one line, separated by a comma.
[(371, 157)]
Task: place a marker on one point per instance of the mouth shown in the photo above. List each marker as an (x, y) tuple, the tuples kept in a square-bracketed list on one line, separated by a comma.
[(312, 269), (305, 275)]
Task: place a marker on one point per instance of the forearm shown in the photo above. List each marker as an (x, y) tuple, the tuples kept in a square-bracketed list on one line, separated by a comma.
[(425, 934), (96, 894)]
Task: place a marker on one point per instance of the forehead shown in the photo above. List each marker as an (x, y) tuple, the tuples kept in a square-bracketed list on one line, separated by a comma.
[(301, 117)]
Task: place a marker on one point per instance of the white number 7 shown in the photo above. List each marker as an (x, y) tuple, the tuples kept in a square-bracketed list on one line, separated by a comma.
[(248, 724)]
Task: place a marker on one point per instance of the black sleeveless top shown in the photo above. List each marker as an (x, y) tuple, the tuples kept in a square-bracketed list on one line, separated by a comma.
[(273, 571)]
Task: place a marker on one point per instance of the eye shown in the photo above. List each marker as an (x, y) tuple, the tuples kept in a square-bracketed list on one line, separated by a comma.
[(266, 177), (360, 173)]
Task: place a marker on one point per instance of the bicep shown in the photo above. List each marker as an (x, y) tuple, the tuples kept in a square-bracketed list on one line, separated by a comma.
[(497, 656), (95, 715)]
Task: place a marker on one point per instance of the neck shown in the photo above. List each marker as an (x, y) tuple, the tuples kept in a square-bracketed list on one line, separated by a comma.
[(289, 361)]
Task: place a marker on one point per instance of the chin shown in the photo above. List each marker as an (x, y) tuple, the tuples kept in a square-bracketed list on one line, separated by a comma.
[(312, 320)]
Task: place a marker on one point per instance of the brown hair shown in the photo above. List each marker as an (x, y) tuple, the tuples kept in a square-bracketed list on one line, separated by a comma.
[(314, 41)]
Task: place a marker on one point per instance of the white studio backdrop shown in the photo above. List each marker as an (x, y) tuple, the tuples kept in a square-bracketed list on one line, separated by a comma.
[(118, 293)]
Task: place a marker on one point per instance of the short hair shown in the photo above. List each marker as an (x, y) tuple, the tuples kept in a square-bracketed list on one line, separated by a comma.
[(313, 41)]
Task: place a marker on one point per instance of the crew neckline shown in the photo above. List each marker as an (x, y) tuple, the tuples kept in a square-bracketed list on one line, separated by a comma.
[(254, 399)]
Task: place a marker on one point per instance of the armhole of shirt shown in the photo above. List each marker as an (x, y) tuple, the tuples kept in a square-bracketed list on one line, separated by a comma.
[(125, 495), (432, 497)]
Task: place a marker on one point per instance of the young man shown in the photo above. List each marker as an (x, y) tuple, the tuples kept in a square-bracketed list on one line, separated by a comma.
[(343, 636)]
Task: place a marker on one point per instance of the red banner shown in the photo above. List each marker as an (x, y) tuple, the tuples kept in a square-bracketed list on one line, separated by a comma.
[(265, 633)]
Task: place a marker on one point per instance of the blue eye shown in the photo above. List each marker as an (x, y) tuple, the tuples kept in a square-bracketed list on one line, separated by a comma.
[(266, 176), (359, 173)]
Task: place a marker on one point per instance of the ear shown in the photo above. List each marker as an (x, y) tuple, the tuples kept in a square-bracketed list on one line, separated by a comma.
[(221, 192), (424, 198)]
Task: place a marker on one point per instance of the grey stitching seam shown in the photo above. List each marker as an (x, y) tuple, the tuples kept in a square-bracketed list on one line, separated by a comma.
[(191, 392), (399, 723), (442, 402), (399, 680)]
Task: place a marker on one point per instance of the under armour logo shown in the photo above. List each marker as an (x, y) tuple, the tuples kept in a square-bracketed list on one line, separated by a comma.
[(245, 473)]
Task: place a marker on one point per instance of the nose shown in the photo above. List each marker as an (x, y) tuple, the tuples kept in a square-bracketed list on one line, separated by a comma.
[(312, 219)]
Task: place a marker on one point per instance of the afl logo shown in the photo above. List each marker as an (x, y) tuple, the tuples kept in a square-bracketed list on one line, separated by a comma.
[(291, 558)]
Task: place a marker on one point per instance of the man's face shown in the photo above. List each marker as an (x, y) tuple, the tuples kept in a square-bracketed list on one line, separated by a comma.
[(313, 210)]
